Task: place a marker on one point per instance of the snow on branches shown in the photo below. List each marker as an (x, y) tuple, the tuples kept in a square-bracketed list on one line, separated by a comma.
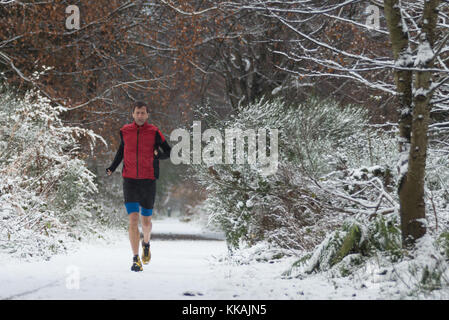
[(43, 176)]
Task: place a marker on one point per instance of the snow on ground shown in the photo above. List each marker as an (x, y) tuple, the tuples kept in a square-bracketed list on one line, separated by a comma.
[(179, 269), (172, 226)]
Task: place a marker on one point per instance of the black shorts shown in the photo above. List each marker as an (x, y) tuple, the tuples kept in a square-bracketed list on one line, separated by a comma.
[(142, 191)]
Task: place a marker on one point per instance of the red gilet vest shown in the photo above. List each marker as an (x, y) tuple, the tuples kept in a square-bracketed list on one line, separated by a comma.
[(138, 156)]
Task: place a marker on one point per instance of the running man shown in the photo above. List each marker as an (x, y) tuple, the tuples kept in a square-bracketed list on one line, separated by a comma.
[(140, 151)]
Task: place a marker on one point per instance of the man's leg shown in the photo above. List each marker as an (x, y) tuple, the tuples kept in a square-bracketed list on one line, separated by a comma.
[(134, 236), (132, 208), (147, 210), (146, 229), (147, 225)]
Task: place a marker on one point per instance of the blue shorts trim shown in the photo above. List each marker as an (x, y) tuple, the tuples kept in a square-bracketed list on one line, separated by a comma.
[(146, 212), (135, 207)]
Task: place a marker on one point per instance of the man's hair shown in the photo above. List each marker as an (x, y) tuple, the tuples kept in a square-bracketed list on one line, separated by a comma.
[(140, 104)]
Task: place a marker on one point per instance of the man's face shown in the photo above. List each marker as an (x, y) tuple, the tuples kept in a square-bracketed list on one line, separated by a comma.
[(140, 115)]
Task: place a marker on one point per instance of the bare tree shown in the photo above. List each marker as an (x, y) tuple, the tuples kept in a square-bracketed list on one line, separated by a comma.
[(232, 58)]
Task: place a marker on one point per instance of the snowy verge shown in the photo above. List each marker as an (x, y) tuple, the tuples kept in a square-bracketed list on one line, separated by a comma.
[(370, 255)]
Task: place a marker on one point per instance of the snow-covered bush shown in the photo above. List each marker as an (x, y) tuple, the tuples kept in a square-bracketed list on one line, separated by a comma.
[(437, 182), (356, 237), (45, 183), (324, 137), (371, 252), (443, 244), (330, 161)]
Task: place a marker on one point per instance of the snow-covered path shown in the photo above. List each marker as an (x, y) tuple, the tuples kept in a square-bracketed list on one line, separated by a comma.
[(179, 269)]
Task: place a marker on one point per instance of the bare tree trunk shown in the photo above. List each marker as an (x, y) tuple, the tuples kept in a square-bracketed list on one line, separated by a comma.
[(414, 114)]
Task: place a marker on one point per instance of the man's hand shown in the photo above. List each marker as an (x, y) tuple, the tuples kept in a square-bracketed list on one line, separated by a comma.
[(155, 152), (109, 172)]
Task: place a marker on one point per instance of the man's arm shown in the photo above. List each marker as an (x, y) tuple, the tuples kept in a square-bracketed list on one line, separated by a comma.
[(161, 142), (118, 156)]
